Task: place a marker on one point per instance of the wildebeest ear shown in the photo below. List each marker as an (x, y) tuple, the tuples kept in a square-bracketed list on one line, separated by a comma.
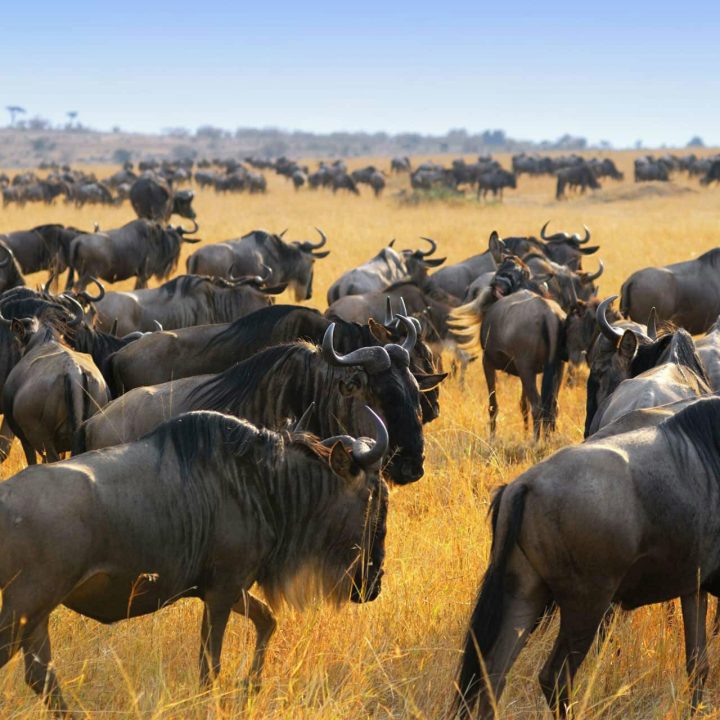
[(434, 262), (497, 247), (628, 346), (379, 332), (351, 386), (320, 255), (340, 461), (429, 381), (17, 327)]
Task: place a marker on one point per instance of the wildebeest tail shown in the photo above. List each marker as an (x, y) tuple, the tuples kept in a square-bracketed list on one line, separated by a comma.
[(625, 302), (465, 321), (486, 619), (552, 371)]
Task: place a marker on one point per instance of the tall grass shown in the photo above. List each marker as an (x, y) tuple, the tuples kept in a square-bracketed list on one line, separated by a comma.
[(396, 657)]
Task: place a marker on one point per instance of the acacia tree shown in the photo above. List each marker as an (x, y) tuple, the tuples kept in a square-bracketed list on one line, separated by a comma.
[(14, 111)]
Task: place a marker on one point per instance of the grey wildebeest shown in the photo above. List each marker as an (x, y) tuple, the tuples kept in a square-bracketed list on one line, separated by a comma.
[(50, 391), (630, 519), (153, 198), (290, 262), (643, 371), (280, 383), (387, 268), (686, 294), (578, 176), (140, 249), (181, 302), (495, 181), (206, 349), (303, 518), (522, 333)]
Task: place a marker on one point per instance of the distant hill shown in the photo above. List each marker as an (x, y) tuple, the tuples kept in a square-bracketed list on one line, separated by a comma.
[(28, 146)]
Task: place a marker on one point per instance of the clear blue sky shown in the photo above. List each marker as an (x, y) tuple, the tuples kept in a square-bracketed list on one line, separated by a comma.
[(611, 70)]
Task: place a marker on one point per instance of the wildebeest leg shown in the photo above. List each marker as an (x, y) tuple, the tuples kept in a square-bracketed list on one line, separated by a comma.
[(6, 438), (529, 389), (264, 620), (29, 452), (214, 621), (39, 675), (716, 621), (492, 396), (694, 610), (51, 455), (524, 409), (579, 623)]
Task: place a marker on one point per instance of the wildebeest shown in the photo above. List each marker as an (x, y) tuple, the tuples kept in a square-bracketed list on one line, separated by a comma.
[(630, 519), (712, 175), (521, 333), (400, 164), (456, 279), (301, 517), (290, 262), (684, 293), (50, 391), (630, 353), (580, 176), (388, 267), (708, 348), (164, 356), (648, 170), (10, 275), (281, 382), (45, 247), (494, 182), (140, 249), (153, 198), (181, 302)]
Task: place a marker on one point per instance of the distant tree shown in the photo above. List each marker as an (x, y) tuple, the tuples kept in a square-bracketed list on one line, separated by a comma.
[(210, 132), (177, 132), (14, 111), (116, 129), (696, 141), (121, 156), (638, 144), (38, 123), (72, 115)]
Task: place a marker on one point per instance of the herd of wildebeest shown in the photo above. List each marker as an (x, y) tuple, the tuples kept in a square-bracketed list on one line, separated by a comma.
[(219, 440), (485, 175)]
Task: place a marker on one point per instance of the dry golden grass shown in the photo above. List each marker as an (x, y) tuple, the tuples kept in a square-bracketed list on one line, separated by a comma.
[(397, 657)]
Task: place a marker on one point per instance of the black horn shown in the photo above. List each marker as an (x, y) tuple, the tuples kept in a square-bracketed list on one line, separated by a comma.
[(372, 359), (87, 297), (588, 278), (433, 247), (610, 332)]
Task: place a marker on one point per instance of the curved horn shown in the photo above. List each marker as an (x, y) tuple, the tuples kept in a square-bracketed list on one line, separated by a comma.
[(403, 306), (587, 236), (158, 326), (90, 298), (652, 324), (543, 229), (282, 233), (8, 255), (77, 309), (433, 247), (300, 425), (610, 332), (182, 230), (372, 359), (409, 342), (587, 278), (318, 245), (388, 311), (366, 457)]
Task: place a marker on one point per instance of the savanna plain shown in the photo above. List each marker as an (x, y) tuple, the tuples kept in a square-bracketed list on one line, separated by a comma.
[(397, 657)]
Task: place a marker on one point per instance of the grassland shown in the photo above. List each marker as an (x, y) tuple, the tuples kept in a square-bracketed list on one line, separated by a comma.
[(396, 657)]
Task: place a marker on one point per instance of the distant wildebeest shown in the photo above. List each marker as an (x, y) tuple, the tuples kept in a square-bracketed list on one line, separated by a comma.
[(684, 293), (580, 176), (153, 198), (140, 249), (628, 352), (281, 382), (343, 181), (163, 356), (712, 175), (494, 182), (388, 267), (290, 262), (299, 178), (400, 164), (85, 541), (521, 332), (648, 169), (95, 193), (181, 302), (605, 168), (630, 519), (50, 391)]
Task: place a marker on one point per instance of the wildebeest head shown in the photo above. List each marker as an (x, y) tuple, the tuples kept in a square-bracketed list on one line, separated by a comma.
[(164, 255), (387, 383), (302, 255), (512, 273), (182, 204), (418, 261)]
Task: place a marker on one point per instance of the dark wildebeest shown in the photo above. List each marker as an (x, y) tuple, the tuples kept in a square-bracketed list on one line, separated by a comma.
[(578, 176), (343, 181), (152, 198), (708, 348), (640, 371), (200, 350), (281, 382), (565, 286), (712, 175), (184, 301), (10, 275), (50, 391), (290, 262), (648, 170), (386, 268), (521, 333), (605, 168), (400, 164), (141, 249), (686, 294), (456, 279), (301, 517), (299, 178), (494, 182), (630, 519)]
